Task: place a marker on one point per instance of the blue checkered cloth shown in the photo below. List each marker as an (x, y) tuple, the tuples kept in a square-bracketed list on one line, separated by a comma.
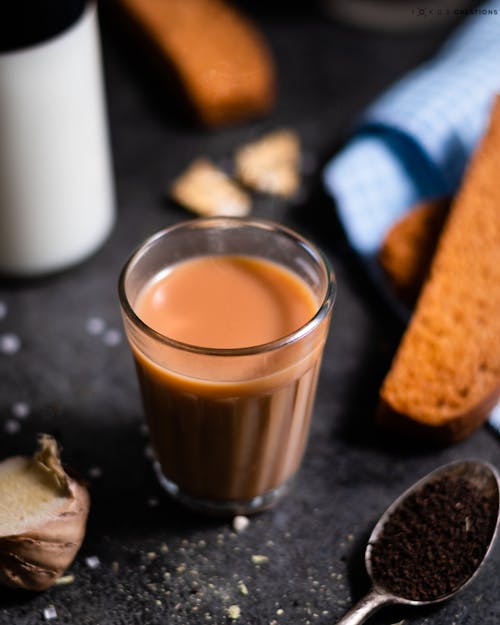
[(414, 141)]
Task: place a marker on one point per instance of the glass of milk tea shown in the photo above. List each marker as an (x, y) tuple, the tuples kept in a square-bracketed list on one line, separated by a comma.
[(227, 319)]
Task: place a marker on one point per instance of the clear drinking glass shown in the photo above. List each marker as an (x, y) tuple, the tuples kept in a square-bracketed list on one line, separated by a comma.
[(227, 441)]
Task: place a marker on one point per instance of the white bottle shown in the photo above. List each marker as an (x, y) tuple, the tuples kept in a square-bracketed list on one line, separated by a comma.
[(56, 189)]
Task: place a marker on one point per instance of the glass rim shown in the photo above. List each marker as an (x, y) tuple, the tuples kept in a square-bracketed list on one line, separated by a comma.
[(322, 311)]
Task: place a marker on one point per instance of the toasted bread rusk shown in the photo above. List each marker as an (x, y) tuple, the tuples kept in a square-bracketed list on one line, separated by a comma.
[(407, 250), (221, 62), (445, 376)]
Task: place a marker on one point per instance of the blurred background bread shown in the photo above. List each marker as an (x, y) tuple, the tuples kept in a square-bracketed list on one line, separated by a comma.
[(219, 61)]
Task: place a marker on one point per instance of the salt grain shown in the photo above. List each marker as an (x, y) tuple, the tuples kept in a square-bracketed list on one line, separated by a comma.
[(153, 502), (11, 426), (93, 562), (9, 343), (95, 326), (20, 409), (95, 472), (240, 523), (49, 613), (112, 337)]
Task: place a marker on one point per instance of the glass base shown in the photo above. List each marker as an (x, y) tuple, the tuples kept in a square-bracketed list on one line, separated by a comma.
[(223, 508)]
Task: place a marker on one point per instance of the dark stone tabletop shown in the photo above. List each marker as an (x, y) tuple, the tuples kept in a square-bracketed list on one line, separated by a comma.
[(144, 561)]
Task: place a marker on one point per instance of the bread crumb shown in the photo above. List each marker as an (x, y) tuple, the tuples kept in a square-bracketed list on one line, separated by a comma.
[(243, 589), (271, 164), (234, 612), (258, 559), (206, 190), (240, 523), (65, 580)]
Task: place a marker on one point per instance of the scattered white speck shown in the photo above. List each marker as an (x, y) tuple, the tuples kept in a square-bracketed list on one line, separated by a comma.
[(11, 426), (240, 523), (50, 613), (9, 343), (112, 337), (95, 326), (20, 409), (93, 562), (153, 502), (95, 472), (3, 310), (280, 612)]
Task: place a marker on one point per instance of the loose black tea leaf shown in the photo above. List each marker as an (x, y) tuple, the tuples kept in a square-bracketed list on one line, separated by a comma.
[(433, 541)]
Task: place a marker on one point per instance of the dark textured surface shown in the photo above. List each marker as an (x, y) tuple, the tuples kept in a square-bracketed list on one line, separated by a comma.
[(159, 564)]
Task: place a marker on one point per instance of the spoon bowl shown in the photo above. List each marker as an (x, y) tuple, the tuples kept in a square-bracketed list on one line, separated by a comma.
[(485, 478)]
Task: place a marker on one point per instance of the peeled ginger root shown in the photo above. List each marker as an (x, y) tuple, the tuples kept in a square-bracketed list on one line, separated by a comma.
[(43, 515)]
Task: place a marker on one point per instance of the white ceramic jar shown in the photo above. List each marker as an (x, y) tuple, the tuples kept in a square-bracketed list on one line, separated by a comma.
[(56, 184)]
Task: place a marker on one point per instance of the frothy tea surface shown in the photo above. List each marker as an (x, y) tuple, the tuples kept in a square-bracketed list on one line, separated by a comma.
[(226, 301)]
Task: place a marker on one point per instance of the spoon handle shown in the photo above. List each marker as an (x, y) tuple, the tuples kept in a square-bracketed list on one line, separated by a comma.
[(365, 607)]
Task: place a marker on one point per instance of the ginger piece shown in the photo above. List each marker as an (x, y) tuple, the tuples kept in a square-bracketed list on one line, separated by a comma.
[(43, 514)]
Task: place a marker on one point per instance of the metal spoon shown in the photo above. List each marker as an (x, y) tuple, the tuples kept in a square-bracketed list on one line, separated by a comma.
[(485, 477)]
